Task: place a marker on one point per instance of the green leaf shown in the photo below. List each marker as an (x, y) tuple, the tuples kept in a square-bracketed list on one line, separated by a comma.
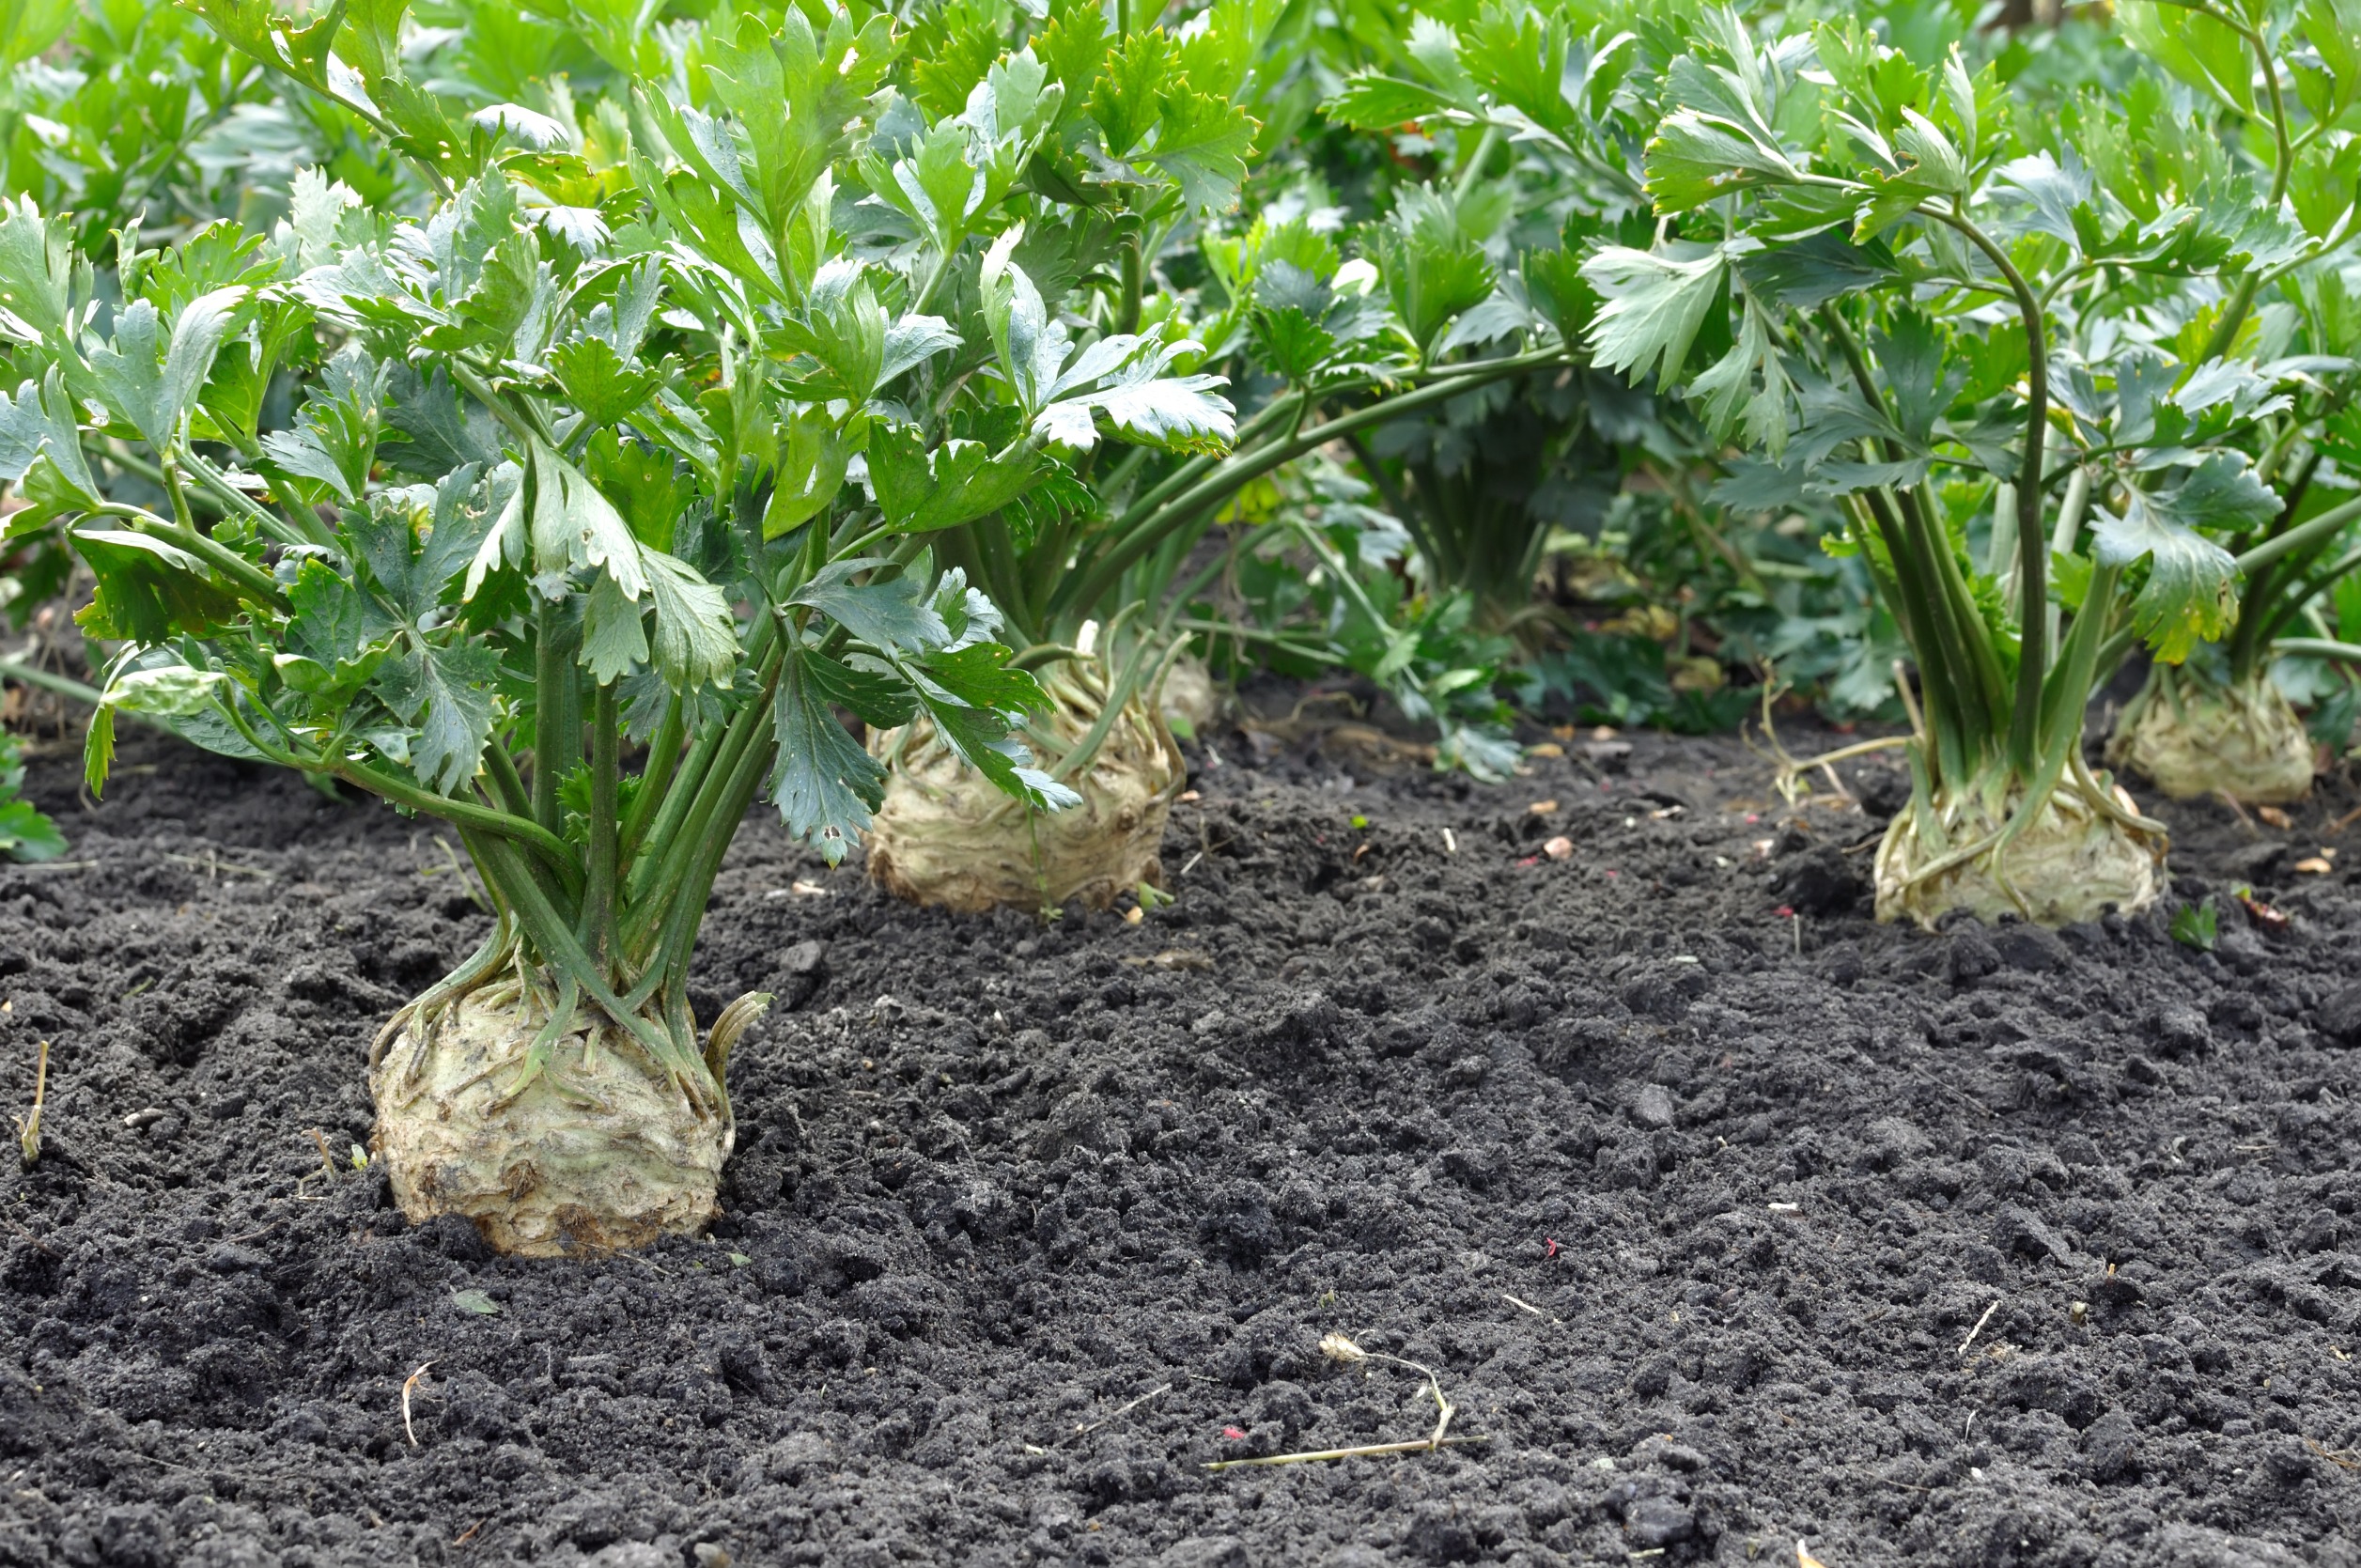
[(981, 737), (2204, 53), (827, 787), (1371, 101), (1656, 302), (148, 590), (2191, 593), (1811, 272), (978, 676), (696, 636), (614, 642), (475, 1303), (98, 750), (1291, 306), (577, 529), (873, 692), (597, 380), (446, 694), (1179, 414), (40, 422), (1696, 158), (891, 615), (26, 835), (334, 440), (1911, 351), (1749, 387), (814, 453), (844, 328), (1126, 101), (1201, 143), (921, 492), (336, 623), (1074, 46), (1433, 269), (646, 484), (36, 274), (2196, 926), (444, 433)]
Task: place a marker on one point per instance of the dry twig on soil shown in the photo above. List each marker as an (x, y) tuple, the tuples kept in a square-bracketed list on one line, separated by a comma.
[(28, 1126), (1336, 1347)]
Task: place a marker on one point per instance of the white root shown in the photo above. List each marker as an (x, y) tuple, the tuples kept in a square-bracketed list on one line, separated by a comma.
[(1190, 702), (2078, 856), (2195, 738), (592, 1148), (947, 837)]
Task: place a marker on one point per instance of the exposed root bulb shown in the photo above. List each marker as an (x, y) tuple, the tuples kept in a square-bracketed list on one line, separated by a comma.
[(586, 1147), (1190, 701), (946, 836), (2193, 737), (2070, 863)]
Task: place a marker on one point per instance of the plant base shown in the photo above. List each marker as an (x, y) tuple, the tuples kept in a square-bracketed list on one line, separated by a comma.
[(945, 836), (2192, 737), (595, 1151), (1189, 702), (2072, 863)]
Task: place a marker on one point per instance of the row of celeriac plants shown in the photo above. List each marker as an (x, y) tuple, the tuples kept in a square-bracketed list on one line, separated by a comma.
[(2113, 330), (768, 367), (676, 380)]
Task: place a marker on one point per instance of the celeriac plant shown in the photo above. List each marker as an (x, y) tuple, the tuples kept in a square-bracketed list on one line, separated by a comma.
[(1866, 273), (1096, 572), (2221, 723), (576, 478)]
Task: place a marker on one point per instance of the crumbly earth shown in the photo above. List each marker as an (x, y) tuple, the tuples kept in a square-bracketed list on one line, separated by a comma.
[(1723, 1227)]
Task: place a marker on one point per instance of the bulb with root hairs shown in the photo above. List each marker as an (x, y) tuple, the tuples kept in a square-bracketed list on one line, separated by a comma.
[(554, 1141), (946, 836), (2193, 737), (2075, 860)]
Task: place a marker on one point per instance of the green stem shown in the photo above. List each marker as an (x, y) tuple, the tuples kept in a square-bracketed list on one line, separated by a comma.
[(2319, 530), (687, 914), (288, 532), (557, 719), (64, 686), (658, 878), (664, 757), (1473, 169), (2317, 647), (507, 783), (2217, 343), (254, 582), (460, 813), (1128, 314), (597, 927)]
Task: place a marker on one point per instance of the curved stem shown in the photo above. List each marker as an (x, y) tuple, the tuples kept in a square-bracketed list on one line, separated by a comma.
[(255, 584), (289, 532)]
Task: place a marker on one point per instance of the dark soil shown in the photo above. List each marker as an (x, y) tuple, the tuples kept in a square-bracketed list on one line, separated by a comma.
[(1691, 1205)]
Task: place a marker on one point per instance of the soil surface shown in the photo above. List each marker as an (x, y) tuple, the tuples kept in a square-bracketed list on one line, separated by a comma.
[(1725, 1219)]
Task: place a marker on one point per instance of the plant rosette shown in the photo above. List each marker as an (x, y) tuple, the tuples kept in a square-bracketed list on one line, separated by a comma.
[(1939, 315), (628, 437)]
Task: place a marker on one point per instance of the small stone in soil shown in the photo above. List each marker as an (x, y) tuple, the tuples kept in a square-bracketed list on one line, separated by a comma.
[(1651, 1108)]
